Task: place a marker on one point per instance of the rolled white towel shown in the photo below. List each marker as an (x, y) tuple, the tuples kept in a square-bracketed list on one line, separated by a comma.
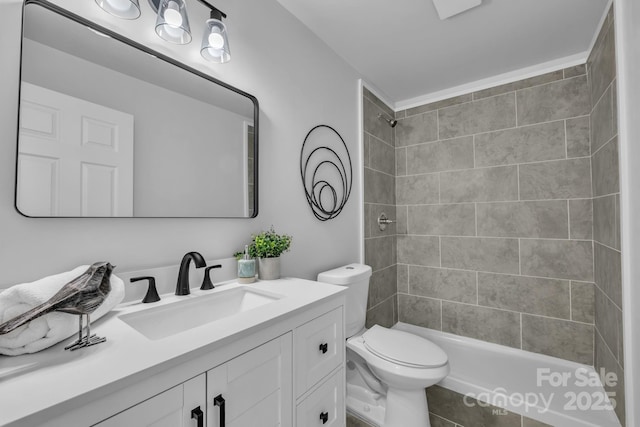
[(53, 327)]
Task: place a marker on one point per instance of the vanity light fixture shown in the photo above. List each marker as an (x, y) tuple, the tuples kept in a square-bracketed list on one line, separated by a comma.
[(172, 24), (125, 9), (215, 44)]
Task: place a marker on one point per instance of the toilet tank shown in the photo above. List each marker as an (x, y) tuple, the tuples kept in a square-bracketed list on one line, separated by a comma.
[(356, 278)]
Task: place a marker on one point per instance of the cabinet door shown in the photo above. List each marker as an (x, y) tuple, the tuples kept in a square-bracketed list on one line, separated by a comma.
[(256, 388), (171, 408), (325, 406)]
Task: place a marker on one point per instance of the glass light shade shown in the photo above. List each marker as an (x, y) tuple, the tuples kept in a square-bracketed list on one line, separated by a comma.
[(125, 9), (215, 44), (172, 23)]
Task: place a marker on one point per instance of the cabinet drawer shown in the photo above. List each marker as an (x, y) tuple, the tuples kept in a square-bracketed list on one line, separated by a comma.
[(318, 349), (325, 406)]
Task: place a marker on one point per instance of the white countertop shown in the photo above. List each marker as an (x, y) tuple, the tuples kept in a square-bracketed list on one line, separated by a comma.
[(40, 383)]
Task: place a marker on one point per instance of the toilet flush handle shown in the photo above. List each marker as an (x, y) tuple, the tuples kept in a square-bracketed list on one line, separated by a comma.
[(324, 348)]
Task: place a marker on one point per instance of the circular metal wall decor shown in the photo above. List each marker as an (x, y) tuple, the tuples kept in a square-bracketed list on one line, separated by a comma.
[(326, 171)]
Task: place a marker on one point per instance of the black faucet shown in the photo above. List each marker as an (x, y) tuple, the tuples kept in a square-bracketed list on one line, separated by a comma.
[(182, 287)]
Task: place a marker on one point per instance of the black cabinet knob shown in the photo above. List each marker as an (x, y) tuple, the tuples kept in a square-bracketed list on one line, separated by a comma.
[(152, 292), (324, 416), (324, 348), (198, 415)]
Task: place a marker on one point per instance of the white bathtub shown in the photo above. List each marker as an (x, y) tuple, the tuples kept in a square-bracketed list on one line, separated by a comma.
[(548, 389)]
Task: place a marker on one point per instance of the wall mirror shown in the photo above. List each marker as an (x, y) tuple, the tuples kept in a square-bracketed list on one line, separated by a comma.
[(109, 128)]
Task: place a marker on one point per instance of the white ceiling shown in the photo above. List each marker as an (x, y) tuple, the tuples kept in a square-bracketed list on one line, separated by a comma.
[(406, 52)]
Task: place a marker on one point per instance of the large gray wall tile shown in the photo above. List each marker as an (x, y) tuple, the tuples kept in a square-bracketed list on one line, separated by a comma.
[(466, 411), (602, 64), (382, 156), (382, 285), (578, 139), (562, 259), (382, 314), (453, 285), (454, 220), (379, 251), (374, 125), (524, 219), (576, 70), (419, 250), (403, 278), (554, 101), (607, 317), (379, 187), (356, 422), (606, 175), (401, 161), (547, 297), (438, 104), (479, 185), (604, 220), (417, 189), (558, 338), (482, 254), (401, 218), (440, 156), (561, 179), (478, 116), (539, 142), (582, 301), (602, 125), (419, 311), (520, 84), (417, 129), (581, 218), (607, 361), (487, 324), (608, 271)]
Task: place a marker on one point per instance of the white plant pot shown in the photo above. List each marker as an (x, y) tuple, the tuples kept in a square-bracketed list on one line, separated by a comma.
[(269, 268)]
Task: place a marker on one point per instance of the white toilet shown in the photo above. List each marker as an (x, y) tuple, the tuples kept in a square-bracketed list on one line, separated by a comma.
[(387, 369)]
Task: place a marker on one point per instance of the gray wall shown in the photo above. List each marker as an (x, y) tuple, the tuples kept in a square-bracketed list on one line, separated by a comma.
[(379, 197), (299, 84), (494, 215), (606, 210)]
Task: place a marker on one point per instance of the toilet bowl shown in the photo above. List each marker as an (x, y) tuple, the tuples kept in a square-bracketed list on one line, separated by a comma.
[(387, 369)]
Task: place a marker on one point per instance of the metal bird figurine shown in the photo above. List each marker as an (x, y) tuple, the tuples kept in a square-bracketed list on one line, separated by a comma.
[(81, 296)]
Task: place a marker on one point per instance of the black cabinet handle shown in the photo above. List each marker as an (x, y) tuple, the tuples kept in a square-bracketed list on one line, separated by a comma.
[(198, 415), (219, 401), (324, 416), (324, 348)]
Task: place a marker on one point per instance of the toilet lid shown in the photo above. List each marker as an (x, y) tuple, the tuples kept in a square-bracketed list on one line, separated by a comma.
[(403, 348)]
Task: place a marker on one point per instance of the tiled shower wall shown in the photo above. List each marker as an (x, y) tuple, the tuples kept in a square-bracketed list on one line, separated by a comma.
[(606, 211), (379, 197), (494, 209)]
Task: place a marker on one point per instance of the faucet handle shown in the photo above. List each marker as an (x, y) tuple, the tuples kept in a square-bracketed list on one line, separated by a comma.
[(152, 292), (206, 283)]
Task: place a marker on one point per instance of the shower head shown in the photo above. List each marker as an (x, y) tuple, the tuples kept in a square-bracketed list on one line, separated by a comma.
[(390, 122)]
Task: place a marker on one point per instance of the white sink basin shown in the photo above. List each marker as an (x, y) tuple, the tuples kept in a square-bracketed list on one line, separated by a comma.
[(165, 320)]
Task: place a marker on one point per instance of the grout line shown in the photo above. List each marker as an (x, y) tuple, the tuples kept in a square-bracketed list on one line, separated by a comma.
[(521, 330), (475, 208), (518, 179), (569, 219), (515, 97), (474, 151), (537, 162), (441, 316), (477, 289), (519, 259), (566, 142), (570, 300), (496, 202)]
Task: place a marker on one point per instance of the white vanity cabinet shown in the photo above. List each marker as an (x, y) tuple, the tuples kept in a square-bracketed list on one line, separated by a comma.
[(279, 365), (176, 407), (253, 389)]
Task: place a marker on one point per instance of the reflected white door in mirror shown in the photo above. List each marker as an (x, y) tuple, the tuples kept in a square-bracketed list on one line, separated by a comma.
[(75, 157)]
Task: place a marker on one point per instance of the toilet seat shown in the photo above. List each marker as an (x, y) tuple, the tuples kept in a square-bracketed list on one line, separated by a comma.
[(403, 348)]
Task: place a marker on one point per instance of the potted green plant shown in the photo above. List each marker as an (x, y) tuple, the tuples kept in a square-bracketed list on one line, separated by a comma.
[(267, 246)]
